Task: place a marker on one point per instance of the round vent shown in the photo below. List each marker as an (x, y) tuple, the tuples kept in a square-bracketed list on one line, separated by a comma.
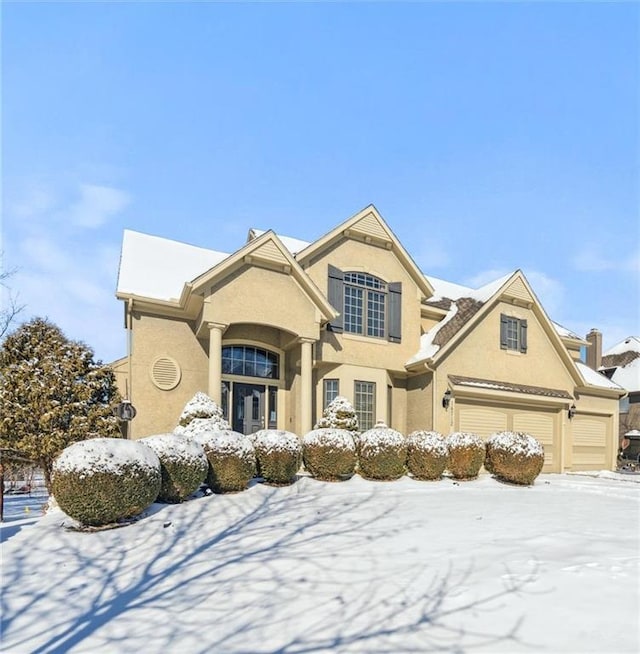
[(165, 373)]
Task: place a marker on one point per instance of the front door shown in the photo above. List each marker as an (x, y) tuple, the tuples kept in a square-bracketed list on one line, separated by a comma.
[(248, 408)]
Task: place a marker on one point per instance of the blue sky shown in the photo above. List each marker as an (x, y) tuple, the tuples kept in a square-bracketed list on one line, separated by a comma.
[(491, 136)]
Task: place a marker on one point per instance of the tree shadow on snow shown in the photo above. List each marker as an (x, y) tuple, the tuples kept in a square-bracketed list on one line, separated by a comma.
[(281, 570)]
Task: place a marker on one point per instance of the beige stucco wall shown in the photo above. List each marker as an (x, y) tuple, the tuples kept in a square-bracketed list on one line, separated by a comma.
[(419, 402), (479, 354), (153, 336), (265, 297)]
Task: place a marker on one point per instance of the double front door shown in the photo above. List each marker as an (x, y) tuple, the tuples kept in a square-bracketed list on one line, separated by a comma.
[(253, 407)]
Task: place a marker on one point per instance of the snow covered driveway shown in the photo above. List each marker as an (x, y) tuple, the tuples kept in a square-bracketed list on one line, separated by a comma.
[(359, 566)]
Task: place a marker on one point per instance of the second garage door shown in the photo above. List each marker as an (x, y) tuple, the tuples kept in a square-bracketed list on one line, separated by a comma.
[(485, 420)]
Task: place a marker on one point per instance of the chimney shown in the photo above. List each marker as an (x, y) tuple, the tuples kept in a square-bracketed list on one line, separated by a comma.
[(594, 349)]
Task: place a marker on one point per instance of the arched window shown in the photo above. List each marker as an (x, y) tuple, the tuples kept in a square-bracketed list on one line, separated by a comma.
[(365, 298), (250, 361)]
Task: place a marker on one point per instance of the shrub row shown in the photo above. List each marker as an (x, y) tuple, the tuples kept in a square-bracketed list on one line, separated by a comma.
[(105, 480)]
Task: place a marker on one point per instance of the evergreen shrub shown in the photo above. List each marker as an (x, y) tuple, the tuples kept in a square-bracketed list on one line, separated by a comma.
[(279, 455), (203, 412), (329, 454), (427, 454), (340, 414), (466, 455), (515, 457), (104, 480), (231, 457), (183, 465), (382, 453)]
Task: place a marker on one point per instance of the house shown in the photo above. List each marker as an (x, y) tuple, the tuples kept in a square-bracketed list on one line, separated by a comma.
[(621, 364), (277, 329)]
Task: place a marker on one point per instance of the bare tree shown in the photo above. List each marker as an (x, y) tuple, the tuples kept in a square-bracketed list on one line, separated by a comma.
[(11, 307)]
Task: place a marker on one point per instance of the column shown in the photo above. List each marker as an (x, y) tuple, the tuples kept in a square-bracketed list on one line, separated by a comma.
[(306, 385), (215, 361)]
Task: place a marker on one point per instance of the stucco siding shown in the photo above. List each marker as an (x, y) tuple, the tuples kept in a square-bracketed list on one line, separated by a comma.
[(153, 337), (265, 297)]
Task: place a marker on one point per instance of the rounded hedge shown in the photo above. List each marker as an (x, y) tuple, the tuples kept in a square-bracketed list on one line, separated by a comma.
[(427, 454), (329, 454), (279, 455), (183, 465), (515, 457), (103, 480), (232, 460), (466, 455), (382, 453)]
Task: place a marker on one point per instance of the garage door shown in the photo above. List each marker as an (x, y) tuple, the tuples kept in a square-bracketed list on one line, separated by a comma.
[(542, 425), (591, 442)]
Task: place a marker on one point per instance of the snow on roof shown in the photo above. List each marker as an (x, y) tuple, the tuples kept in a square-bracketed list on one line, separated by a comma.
[(564, 332), (158, 267), (294, 245), (453, 291), (594, 378), (444, 289), (628, 376), (630, 344)]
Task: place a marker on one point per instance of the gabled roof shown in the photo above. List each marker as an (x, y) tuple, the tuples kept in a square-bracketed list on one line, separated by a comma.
[(157, 268), (625, 359), (468, 309), (294, 245), (368, 226), (266, 251)]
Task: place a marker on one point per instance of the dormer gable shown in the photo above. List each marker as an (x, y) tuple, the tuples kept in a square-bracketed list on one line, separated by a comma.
[(367, 226)]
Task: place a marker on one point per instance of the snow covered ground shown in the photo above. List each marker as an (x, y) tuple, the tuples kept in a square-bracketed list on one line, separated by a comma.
[(358, 566)]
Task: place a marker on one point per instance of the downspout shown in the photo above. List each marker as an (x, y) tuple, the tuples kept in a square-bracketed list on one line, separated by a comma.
[(129, 328)]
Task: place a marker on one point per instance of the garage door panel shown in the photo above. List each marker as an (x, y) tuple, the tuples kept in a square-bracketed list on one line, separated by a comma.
[(590, 440), (541, 426), (482, 421)]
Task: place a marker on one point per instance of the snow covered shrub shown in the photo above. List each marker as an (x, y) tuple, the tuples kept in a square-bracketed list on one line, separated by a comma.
[(183, 465), (279, 455), (339, 414), (103, 480), (232, 460), (466, 455), (329, 454), (516, 457), (201, 407), (382, 453), (427, 454)]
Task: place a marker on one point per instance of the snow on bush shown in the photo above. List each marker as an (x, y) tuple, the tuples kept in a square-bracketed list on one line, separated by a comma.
[(279, 455), (515, 457), (427, 454), (202, 406), (183, 465), (329, 454), (232, 460), (466, 455), (339, 414), (382, 453), (104, 480), (199, 426)]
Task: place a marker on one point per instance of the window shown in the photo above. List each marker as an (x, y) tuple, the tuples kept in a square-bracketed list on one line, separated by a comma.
[(365, 404), (513, 333), (624, 405), (331, 391), (366, 305), (249, 361)]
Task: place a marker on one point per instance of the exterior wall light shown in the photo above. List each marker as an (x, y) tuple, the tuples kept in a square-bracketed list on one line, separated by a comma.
[(571, 411), (446, 398)]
